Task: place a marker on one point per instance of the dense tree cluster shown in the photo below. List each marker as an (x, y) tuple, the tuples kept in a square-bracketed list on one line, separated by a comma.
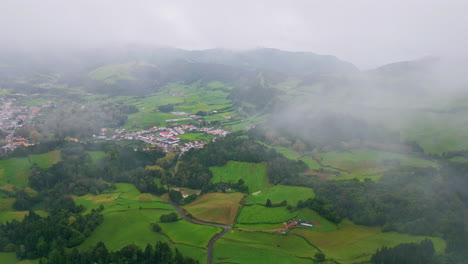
[(37, 237), (160, 253), (166, 218), (409, 253)]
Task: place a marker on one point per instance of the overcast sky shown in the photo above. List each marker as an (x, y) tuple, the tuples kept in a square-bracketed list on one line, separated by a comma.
[(367, 33)]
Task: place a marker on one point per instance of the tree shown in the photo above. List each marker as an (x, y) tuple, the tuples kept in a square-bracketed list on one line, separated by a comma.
[(319, 256), (172, 217), (35, 136), (156, 228), (268, 203)]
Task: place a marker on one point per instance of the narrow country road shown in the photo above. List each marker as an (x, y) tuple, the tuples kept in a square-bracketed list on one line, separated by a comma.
[(225, 228)]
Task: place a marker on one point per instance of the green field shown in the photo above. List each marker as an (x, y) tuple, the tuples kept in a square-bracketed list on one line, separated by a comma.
[(355, 244), (123, 228), (196, 136), (279, 193), (256, 214), (96, 155), (145, 120), (216, 207), (253, 174), (184, 232), (259, 247), (10, 258), (15, 171)]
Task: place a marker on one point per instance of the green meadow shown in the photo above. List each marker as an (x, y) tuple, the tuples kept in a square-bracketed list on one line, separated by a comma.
[(260, 247), (253, 174), (279, 193), (15, 171)]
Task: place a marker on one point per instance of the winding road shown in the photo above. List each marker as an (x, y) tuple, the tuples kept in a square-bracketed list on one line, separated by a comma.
[(225, 228)]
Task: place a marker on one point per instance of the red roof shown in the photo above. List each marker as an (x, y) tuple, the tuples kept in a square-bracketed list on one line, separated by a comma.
[(165, 133)]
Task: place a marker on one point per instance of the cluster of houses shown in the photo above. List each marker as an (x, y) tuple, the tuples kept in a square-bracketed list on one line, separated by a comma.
[(163, 138), (13, 117)]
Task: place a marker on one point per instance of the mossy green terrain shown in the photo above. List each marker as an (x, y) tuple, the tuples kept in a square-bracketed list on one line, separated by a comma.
[(253, 174)]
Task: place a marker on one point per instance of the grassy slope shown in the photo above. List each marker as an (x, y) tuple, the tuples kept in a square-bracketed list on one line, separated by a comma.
[(259, 247), (278, 193), (216, 207), (353, 243), (253, 174)]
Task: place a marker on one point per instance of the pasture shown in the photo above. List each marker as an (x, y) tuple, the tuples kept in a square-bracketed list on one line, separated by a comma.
[(216, 207), (258, 214), (279, 193), (353, 243), (196, 136), (259, 247), (253, 174), (15, 171)]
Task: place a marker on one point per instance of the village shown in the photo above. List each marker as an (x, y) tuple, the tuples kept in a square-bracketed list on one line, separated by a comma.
[(163, 138), (13, 117)]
